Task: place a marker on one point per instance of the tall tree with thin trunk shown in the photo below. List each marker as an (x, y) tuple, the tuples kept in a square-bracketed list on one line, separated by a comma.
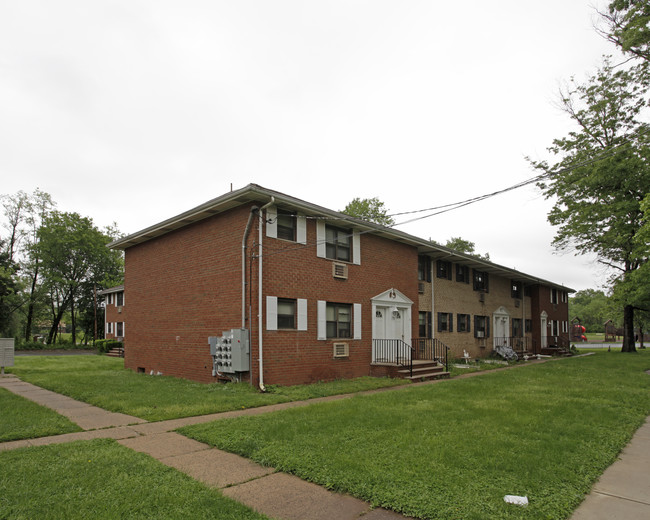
[(73, 256), (602, 174)]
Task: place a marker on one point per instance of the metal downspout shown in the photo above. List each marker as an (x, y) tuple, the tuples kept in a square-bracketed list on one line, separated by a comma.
[(259, 298), (254, 210)]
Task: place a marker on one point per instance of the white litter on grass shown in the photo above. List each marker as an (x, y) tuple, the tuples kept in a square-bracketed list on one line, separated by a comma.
[(514, 499)]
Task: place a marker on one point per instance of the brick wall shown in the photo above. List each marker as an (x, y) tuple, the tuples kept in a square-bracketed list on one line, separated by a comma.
[(114, 314), (461, 298), (186, 285)]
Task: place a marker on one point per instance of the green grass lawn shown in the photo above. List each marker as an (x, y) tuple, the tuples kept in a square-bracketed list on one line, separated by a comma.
[(21, 418), (453, 450), (102, 381), (103, 480)]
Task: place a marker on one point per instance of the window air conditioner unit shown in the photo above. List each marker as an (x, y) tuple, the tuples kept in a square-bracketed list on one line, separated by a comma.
[(341, 350), (517, 303), (340, 271), (480, 334), (481, 297), (119, 310), (421, 287)]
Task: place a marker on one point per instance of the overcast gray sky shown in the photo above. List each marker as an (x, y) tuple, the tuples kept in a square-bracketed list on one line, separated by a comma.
[(134, 111)]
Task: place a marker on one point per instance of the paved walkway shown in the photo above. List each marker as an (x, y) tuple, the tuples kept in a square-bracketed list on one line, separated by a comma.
[(623, 491)]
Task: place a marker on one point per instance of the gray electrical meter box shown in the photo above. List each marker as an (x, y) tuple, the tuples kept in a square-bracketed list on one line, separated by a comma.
[(6, 353), (230, 352), (240, 350)]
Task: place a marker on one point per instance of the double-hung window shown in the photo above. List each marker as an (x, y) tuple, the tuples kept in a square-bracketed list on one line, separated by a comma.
[(462, 273), (445, 322), (443, 269), (339, 320), (424, 268), (338, 244), (481, 326), (286, 225), (515, 290), (463, 323), (481, 281), (286, 313)]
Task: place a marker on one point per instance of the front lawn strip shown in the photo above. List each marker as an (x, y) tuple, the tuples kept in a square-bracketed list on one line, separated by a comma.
[(21, 418), (102, 381), (453, 450), (102, 480)]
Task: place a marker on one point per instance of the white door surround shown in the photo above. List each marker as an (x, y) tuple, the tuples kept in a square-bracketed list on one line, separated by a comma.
[(544, 329), (501, 328), (391, 317)]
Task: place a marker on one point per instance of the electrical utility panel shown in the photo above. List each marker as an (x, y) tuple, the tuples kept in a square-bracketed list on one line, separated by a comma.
[(230, 352)]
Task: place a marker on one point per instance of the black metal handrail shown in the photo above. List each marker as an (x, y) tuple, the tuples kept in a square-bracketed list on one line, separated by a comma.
[(393, 351), (431, 349)]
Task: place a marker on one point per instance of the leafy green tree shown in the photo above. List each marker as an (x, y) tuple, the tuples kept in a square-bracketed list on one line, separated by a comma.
[(627, 25), (372, 210), (465, 246), (602, 174), (24, 214), (74, 258), (591, 306), (9, 288)]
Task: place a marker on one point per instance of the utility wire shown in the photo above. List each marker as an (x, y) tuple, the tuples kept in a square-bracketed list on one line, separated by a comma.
[(437, 210)]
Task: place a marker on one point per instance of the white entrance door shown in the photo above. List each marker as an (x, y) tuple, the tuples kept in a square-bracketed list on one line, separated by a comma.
[(543, 322), (391, 321), (501, 327)]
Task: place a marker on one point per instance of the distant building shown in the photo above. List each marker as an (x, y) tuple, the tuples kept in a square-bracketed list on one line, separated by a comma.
[(114, 315)]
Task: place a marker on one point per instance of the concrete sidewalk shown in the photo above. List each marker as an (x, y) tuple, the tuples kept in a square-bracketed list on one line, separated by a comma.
[(622, 492), (272, 493)]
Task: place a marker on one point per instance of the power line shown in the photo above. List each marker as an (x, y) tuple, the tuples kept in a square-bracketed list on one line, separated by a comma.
[(437, 210)]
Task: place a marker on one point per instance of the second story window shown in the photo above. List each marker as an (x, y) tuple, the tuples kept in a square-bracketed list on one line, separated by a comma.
[(481, 281), (119, 299), (462, 273), (443, 269), (338, 244), (286, 225), (515, 290), (553, 295), (424, 268)]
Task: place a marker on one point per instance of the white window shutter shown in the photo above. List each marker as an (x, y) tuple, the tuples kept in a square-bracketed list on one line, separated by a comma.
[(356, 248), (320, 239), (302, 314), (271, 313), (272, 222), (322, 319), (356, 316), (301, 229)]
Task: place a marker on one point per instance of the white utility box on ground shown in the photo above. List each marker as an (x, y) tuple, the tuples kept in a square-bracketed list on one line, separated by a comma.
[(7, 348)]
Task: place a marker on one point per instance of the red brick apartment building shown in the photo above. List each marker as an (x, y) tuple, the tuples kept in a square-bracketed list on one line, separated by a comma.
[(317, 294), (114, 312)]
